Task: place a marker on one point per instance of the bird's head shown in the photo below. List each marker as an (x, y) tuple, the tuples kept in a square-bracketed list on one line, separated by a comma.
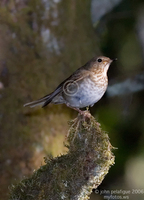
[(101, 63)]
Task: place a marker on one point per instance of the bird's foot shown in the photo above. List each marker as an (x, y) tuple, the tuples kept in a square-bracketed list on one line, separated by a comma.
[(85, 113)]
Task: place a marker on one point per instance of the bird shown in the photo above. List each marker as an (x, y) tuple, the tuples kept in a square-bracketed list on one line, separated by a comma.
[(83, 88)]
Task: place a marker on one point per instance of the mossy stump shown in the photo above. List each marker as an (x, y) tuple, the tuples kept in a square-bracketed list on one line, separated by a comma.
[(71, 176)]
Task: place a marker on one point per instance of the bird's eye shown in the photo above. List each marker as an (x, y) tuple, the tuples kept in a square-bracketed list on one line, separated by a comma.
[(99, 60)]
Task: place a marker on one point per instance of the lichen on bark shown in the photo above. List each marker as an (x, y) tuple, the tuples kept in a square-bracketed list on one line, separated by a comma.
[(73, 175)]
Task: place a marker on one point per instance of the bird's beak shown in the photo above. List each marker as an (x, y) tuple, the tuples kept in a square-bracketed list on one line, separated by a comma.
[(114, 59)]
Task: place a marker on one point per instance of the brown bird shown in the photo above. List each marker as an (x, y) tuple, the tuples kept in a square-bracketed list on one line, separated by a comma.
[(83, 88)]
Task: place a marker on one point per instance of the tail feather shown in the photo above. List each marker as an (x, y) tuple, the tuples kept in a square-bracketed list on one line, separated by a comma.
[(38, 102), (44, 101)]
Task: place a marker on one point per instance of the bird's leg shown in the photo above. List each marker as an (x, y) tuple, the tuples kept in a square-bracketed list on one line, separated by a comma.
[(84, 113), (77, 109), (80, 111)]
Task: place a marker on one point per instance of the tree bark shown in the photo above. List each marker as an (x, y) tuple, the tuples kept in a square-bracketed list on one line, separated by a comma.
[(73, 175), (41, 43)]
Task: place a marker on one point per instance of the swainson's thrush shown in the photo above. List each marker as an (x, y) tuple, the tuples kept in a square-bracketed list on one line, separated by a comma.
[(83, 88)]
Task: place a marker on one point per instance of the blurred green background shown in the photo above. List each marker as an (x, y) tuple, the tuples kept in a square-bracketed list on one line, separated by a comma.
[(41, 43)]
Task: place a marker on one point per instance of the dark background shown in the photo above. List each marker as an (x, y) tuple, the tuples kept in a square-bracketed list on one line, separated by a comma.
[(41, 44)]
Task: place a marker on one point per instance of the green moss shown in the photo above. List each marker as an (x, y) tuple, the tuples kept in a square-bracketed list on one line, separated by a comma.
[(71, 176)]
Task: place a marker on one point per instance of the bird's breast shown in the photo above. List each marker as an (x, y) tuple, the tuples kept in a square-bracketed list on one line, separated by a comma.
[(99, 80), (87, 92)]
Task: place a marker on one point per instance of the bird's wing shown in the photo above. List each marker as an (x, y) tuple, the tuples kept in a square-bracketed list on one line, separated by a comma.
[(75, 77)]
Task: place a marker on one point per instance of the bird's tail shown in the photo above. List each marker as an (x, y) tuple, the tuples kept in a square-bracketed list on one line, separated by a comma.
[(43, 101)]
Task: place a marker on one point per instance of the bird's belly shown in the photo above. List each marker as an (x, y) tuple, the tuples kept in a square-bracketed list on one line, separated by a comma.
[(86, 95)]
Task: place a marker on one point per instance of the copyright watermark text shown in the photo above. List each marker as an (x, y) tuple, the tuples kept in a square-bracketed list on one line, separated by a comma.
[(119, 193)]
